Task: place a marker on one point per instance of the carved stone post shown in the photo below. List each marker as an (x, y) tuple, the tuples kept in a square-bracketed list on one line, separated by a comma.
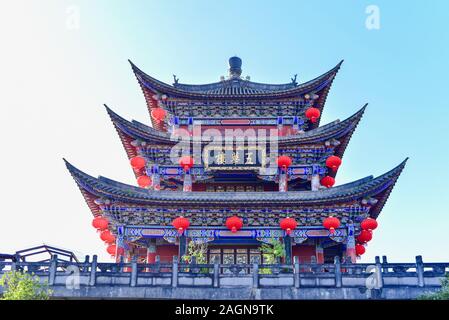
[(420, 271), (52, 270), (338, 277), (174, 278), (255, 275), (134, 270), (379, 273), (296, 272), (216, 272), (93, 271), (384, 264)]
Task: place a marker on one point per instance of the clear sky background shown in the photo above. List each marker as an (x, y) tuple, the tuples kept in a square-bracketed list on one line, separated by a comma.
[(56, 73)]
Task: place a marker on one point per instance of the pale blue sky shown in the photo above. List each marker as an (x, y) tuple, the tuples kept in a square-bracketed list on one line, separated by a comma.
[(54, 80)]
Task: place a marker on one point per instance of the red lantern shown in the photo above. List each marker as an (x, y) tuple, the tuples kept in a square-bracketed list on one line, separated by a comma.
[(234, 224), (288, 225), (369, 224), (186, 162), (284, 162), (158, 114), (107, 236), (327, 181), (359, 249), (313, 114), (144, 181), (111, 249), (100, 223), (331, 223), (137, 162), (333, 162), (181, 224), (365, 236)]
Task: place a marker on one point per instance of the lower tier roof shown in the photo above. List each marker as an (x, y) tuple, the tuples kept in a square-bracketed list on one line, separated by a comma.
[(369, 187)]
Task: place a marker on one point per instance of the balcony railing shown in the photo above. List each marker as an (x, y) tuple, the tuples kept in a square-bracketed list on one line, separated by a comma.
[(217, 275)]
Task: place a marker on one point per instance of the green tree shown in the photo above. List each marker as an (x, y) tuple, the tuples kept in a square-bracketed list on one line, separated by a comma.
[(271, 253), (442, 294), (23, 286), (199, 251)]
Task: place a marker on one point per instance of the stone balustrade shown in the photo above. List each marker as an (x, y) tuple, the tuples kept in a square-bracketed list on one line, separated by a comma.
[(92, 279)]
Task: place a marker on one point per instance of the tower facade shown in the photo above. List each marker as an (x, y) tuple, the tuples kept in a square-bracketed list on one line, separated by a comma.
[(234, 164)]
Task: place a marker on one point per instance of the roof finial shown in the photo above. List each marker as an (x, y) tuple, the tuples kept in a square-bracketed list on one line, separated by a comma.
[(294, 80), (235, 67)]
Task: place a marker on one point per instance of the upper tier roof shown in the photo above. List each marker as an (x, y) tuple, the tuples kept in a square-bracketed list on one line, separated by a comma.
[(236, 87), (336, 129), (101, 187)]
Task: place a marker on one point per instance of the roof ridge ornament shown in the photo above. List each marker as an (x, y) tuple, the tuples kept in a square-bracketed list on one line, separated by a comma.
[(235, 67), (294, 80)]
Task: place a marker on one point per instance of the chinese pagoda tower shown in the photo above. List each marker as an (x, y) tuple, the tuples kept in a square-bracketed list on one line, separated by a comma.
[(235, 164)]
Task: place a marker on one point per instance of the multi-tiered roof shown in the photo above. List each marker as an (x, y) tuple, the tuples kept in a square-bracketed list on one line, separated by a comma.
[(236, 102)]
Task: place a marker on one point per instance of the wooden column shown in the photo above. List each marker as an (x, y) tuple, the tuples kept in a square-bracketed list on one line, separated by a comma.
[(156, 179), (350, 243), (120, 247), (187, 185), (151, 253), (182, 246), (319, 252), (283, 180), (315, 182), (288, 249)]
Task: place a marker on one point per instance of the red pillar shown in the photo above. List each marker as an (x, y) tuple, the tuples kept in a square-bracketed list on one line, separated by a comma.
[(120, 249), (128, 258), (350, 244), (151, 255)]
